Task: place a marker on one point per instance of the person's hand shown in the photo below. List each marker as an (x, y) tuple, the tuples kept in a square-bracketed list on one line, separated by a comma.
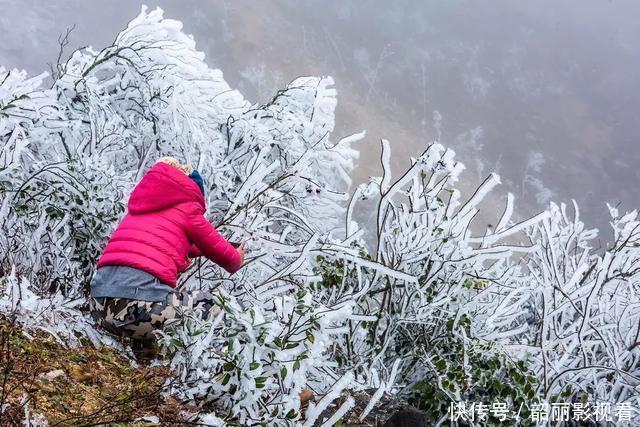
[(241, 249)]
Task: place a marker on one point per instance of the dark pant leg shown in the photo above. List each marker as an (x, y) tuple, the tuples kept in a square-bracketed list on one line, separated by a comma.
[(140, 319), (128, 318)]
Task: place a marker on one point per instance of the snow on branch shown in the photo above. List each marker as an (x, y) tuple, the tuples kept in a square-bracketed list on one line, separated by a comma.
[(413, 302)]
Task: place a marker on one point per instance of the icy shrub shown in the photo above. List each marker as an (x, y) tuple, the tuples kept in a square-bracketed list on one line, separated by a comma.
[(419, 300), (54, 314), (254, 362)]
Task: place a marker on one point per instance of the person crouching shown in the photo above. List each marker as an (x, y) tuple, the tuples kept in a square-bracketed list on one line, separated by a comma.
[(133, 292)]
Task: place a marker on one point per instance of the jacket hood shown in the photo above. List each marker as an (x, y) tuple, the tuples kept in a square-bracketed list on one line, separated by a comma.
[(164, 186)]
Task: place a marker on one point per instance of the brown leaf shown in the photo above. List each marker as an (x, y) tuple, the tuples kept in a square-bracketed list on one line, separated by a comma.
[(305, 396)]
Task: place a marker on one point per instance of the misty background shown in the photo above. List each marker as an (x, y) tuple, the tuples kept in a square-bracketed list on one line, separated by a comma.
[(545, 93)]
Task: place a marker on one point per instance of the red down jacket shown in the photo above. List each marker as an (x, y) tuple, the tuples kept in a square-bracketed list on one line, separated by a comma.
[(165, 225)]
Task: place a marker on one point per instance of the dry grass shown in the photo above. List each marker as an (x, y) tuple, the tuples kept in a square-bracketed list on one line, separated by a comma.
[(91, 386)]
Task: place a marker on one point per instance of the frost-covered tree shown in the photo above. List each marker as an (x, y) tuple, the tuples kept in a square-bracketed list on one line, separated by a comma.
[(415, 302)]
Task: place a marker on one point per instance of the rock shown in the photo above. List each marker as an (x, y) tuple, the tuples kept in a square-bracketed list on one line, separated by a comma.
[(50, 376), (389, 411), (407, 416)]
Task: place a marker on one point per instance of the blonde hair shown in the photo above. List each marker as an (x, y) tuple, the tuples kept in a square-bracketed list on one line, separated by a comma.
[(176, 164)]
